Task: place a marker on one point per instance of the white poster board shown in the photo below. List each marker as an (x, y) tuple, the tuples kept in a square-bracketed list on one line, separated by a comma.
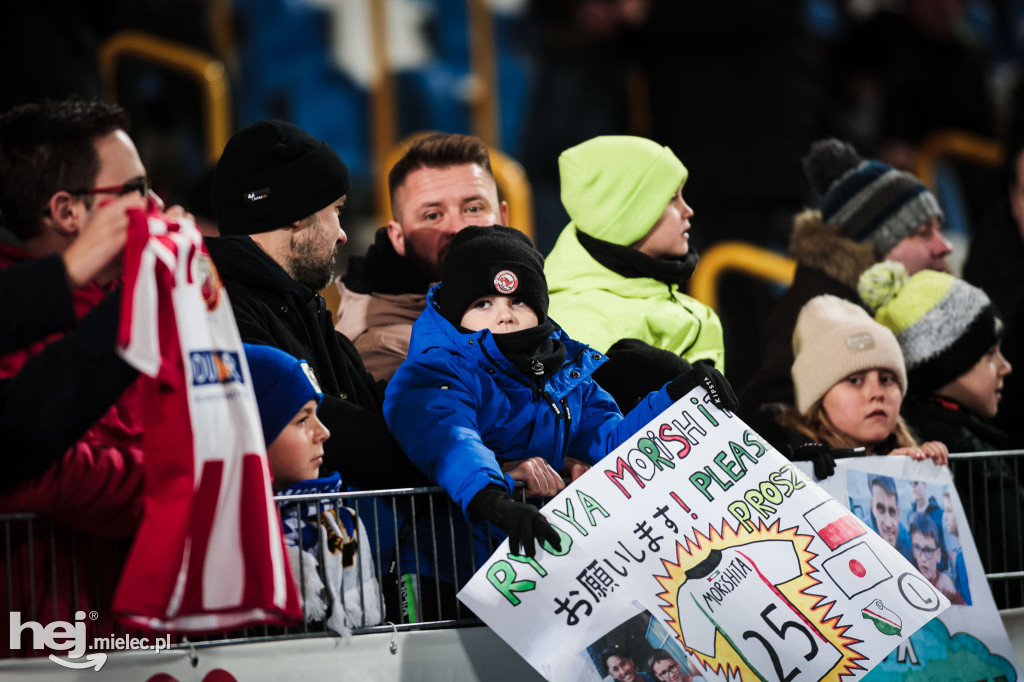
[(967, 641), (747, 565)]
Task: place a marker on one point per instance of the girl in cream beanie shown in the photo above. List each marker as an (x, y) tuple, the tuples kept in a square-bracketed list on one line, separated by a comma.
[(849, 380)]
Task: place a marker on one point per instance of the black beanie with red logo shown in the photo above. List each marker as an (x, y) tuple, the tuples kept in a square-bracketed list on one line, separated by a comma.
[(488, 261)]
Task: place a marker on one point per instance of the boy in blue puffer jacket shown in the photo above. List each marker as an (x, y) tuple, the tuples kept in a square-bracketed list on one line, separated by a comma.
[(493, 392)]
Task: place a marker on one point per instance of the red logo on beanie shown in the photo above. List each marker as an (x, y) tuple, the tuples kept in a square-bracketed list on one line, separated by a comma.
[(506, 282)]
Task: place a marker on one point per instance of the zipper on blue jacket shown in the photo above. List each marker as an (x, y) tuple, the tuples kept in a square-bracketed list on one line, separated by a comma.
[(568, 419)]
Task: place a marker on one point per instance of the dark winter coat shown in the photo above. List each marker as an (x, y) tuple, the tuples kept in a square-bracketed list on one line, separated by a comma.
[(826, 264), (273, 309), (77, 376)]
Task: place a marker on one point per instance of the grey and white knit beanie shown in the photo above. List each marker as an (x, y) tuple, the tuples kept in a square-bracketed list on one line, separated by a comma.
[(944, 325), (868, 201)]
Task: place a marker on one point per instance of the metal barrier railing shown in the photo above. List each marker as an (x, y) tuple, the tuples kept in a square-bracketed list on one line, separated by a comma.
[(407, 551), (992, 493)]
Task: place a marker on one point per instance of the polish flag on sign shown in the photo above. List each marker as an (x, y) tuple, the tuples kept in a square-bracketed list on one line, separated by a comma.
[(834, 524), (856, 570)]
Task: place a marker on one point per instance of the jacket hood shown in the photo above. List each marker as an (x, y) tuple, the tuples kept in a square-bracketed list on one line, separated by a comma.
[(432, 331), (817, 245), (615, 187)]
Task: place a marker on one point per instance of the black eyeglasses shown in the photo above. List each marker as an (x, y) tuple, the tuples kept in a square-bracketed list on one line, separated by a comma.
[(140, 185)]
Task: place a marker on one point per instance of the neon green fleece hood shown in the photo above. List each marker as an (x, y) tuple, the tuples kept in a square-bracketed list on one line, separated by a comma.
[(615, 187)]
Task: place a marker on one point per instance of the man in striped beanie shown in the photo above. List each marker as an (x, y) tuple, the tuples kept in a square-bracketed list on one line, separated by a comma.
[(869, 212)]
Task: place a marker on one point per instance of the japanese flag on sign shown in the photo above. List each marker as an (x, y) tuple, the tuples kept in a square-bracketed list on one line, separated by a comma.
[(856, 570), (209, 553)]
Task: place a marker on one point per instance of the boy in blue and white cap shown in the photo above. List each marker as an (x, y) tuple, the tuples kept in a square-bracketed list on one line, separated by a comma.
[(288, 397), (323, 538)]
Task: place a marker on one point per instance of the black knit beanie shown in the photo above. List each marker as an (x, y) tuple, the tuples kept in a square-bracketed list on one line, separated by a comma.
[(484, 261), (271, 174)]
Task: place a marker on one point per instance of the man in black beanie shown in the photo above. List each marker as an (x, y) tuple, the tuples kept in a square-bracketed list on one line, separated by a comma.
[(278, 193)]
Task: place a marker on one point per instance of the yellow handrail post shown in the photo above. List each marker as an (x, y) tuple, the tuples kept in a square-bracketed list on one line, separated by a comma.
[(955, 144), (742, 257), (207, 71), (382, 96), (485, 73)]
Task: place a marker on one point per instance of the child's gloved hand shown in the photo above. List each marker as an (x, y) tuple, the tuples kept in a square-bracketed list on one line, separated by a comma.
[(703, 373), (523, 523), (818, 454), (822, 457)]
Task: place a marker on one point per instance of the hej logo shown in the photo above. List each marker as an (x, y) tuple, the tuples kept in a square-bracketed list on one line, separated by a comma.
[(59, 635)]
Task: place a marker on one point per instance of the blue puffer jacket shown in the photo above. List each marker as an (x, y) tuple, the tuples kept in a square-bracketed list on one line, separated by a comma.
[(459, 409)]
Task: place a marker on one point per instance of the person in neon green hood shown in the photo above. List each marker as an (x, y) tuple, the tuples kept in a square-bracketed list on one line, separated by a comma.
[(619, 268)]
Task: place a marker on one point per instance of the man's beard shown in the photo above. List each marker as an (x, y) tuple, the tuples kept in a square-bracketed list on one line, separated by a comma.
[(309, 267)]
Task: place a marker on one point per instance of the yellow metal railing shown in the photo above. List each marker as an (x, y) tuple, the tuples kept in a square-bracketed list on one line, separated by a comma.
[(955, 144), (740, 257), (483, 78), (206, 70), (509, 176)]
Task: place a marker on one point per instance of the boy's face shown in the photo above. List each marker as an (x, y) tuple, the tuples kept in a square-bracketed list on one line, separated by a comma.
[(981, 388), (948, 517), (926, 554), (669, 238), (298, 451), (500, 314)]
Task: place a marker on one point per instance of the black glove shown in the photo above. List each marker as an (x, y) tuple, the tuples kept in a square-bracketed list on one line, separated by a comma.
[(703, 373), (522, 522), (819, 454)]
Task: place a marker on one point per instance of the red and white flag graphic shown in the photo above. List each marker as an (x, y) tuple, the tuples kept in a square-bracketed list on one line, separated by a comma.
[(834, 524)]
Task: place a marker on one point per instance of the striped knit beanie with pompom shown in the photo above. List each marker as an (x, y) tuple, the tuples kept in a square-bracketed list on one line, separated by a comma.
[(868, 201), (944, 325)]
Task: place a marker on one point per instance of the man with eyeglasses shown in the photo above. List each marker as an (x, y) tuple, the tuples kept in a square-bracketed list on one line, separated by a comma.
[(665, 668), (70, 172), (927, 553), (70, 423)]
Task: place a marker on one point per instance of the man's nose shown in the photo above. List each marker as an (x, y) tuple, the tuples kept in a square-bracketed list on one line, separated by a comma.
[(940, 245), (342, 237)]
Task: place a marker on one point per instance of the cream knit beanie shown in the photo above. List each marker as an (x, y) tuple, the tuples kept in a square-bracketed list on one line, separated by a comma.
[(833, 339)]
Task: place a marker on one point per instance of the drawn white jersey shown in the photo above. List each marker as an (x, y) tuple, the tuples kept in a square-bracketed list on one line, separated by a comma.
[(209, 553), (734, 591)]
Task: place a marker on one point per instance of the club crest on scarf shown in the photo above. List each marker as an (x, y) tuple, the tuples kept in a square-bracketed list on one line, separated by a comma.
[(209, 281)]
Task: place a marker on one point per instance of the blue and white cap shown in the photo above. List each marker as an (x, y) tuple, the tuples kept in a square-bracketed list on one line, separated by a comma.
[(283, 384)]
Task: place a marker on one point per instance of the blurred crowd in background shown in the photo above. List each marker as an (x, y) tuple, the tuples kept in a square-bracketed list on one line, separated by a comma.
[(738, 90)]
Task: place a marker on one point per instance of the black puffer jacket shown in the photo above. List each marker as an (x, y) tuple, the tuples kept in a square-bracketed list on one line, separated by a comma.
[(273, 309)]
